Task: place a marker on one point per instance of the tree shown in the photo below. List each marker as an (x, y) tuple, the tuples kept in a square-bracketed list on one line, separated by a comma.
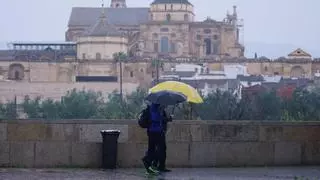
[(218, 106), (80, 104)]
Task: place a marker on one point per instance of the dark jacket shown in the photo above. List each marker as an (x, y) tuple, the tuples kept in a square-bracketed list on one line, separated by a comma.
[(159, 119)]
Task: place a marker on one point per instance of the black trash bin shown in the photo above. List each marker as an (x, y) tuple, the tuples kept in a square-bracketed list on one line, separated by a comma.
[(109, 148)]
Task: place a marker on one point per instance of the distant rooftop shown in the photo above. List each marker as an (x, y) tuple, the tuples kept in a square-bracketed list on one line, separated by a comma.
[(41, 43)]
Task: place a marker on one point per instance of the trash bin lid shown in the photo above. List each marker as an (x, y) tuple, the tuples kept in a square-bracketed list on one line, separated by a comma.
[(110, 131)]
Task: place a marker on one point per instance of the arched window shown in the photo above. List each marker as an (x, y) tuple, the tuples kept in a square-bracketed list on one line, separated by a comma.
[(16, 75), (171, 6), (215, 48), (98, 56), (186, 17), (131, 73), (164, 44), (168, 17), (208, 46)]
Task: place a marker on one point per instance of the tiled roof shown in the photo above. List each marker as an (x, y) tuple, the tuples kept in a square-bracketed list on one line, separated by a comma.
[(251, 78), (102, 28), (86, 16), (180, 73), (171, 2)]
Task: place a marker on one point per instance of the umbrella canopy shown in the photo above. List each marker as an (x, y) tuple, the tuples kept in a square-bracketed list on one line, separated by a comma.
[(190, 92), (166, 98)]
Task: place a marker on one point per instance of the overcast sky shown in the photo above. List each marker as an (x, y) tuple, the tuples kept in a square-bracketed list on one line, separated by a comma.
[(271, 26)]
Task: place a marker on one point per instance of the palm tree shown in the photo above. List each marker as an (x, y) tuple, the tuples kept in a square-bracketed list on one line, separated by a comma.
[(156, 64), (119, 57)]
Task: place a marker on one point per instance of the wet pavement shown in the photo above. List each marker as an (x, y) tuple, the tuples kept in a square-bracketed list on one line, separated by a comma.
[(285, 173)]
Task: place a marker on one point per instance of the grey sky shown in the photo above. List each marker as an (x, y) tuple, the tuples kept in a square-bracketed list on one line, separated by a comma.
[(272, 27)]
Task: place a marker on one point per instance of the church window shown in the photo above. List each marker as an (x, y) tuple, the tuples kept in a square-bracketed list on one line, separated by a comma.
[(215, 49), (208, 46), (83, 55), (164, 29), (164, 44), (186, 17), (173, 47), (207, 31), (131, 73), (156, 47), (155, 35), (168, 17), (98, 56)]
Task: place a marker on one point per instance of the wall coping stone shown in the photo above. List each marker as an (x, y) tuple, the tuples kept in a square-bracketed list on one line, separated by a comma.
[(134, 122)]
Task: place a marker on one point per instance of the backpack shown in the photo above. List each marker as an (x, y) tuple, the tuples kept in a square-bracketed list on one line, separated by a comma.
[(144, 118)]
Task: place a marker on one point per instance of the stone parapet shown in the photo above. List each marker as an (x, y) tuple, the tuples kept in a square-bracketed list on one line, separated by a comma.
[(78, 143)]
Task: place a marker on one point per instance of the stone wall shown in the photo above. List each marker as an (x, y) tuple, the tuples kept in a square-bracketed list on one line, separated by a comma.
[(77, 143), (8, 90)]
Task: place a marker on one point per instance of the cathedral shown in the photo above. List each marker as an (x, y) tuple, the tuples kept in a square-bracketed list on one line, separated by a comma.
[(165, 29), (164, 32)]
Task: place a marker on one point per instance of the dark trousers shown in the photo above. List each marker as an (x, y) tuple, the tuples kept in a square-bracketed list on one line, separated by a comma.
[(156, 154)]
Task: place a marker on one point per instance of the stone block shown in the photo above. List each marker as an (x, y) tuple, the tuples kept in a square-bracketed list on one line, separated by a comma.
[(26, 131), (244, 154), (224, 133), (137, 134), (4, 154), (270, 133), (290, 133), (22, 154), (233, 133), (62, 132), (311, 153), (91, 132), (203, 154), (179, 133), (178, 154), (52, 154), (201, 133), (3, 131), (287, 153), (130, 154), (87, 155)]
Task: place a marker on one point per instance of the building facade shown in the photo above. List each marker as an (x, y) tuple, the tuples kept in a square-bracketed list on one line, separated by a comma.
[(167, 29)]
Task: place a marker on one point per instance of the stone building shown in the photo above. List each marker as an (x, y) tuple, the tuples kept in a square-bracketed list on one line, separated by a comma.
[(167, 28)]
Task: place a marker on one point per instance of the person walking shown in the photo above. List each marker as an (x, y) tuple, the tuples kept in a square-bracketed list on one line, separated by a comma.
[(156, 141), (160, 162)]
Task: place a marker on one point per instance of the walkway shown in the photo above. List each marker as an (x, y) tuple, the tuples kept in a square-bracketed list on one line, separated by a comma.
[(285, 173)]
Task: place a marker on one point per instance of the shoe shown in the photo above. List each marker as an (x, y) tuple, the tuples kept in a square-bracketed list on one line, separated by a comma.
[(165, 170), (145, 163), (152, 171)]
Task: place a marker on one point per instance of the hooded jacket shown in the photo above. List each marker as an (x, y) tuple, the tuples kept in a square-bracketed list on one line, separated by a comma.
[(157, 119)]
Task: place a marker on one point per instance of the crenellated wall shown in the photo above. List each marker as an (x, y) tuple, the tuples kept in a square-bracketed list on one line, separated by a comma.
[(77, 143)]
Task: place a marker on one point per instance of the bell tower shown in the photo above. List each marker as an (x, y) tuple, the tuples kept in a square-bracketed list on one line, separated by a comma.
[(118, 4)]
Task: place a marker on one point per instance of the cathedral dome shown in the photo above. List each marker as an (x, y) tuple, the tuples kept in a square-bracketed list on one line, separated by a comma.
[(171, 2)]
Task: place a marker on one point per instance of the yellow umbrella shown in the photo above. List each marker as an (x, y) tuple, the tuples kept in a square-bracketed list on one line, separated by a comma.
[(190, 92)]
